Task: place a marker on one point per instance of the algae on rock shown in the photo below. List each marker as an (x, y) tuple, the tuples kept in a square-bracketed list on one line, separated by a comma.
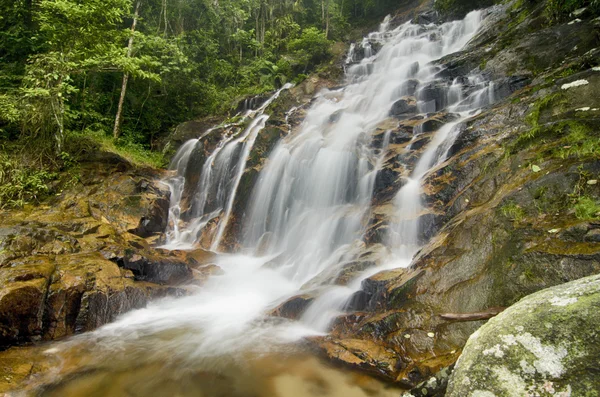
[(544, 345)]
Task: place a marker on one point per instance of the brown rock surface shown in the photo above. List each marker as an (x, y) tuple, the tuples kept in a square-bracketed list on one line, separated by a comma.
[(78, 261)]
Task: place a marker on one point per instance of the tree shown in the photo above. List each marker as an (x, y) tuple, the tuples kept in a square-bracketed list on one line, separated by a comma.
[(117, 127), (78, 37), (311, 48)]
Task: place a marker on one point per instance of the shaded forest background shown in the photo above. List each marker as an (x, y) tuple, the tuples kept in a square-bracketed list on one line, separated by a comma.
[(62, 62)]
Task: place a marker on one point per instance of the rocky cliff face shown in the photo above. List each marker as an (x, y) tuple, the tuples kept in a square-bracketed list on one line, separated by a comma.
[(82, 259), (513, 210)]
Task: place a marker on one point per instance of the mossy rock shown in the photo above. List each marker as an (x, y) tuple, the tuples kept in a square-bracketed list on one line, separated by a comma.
[(544, 345)]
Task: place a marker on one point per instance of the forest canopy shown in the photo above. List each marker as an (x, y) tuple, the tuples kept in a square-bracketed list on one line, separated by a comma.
[(131, 69)]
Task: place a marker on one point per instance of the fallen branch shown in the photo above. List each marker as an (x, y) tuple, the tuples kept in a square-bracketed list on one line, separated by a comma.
[(485, 315)]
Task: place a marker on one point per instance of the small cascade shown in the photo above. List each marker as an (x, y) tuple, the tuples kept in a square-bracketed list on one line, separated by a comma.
[(249, 138), (211, 195), (350, 55)]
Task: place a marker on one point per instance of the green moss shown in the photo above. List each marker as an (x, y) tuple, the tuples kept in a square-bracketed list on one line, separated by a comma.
[(587, 208), (567, 72), (533, 118), (541, 104), (482, 64), (513, 212), (580, 142)]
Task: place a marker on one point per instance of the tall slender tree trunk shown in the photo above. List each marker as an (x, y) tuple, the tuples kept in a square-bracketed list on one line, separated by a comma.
[(165, 15), (257, 31), (58, 109), (327, 19), (119, 116)]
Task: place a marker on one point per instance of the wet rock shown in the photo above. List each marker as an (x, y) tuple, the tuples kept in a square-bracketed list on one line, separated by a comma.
[(58, 262), (426, 18), (403, 107), (384, 181), (192, 177), (160, 269), (545, 343), (156, 219), (420, 143), (435, 386), (335, 116), (183, 132), (433, 93), (358, 354), (364, 50), (592, 236), (251, 103), (429, 225), (506, 86), (293, 307), (23, 286), (265, 142), (407, 88), (353, 269), (45, 298)]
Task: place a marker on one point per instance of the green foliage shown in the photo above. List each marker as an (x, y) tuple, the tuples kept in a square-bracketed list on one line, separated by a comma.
[(587, 208), (560, 10), (62, 63), (9, 112), (310, 49), (533, 118), (20, 184)]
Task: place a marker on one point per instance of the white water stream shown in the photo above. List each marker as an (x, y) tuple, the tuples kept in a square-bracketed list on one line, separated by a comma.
[(309, 208)]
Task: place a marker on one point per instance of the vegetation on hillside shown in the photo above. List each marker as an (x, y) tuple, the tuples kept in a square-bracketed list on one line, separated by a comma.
[(69, 67), (62, 62)]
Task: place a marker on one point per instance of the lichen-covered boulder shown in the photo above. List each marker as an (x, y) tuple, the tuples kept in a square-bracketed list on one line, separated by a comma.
[(544, 345)]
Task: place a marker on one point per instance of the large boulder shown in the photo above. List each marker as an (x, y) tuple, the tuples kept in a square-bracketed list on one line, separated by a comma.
[(48, 298), (544, 345), (80, 260)]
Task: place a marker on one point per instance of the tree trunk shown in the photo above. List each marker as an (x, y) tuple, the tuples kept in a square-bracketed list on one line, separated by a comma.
[(484, 315), (117, 128), (165, 15), (58, 110), (257, 31), (327, 19)]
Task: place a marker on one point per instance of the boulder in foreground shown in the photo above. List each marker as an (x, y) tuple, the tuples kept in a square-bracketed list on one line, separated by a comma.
[(544, 345)]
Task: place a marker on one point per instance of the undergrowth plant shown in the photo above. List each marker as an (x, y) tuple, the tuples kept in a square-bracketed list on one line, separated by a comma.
[(20, 183)]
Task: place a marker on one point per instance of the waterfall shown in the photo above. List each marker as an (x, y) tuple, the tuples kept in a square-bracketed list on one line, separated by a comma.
[(219, 179), (309, 209), (312, 201)]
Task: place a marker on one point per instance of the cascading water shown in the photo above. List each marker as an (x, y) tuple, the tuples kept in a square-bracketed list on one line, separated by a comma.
[(310, 206), (219, 179)]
